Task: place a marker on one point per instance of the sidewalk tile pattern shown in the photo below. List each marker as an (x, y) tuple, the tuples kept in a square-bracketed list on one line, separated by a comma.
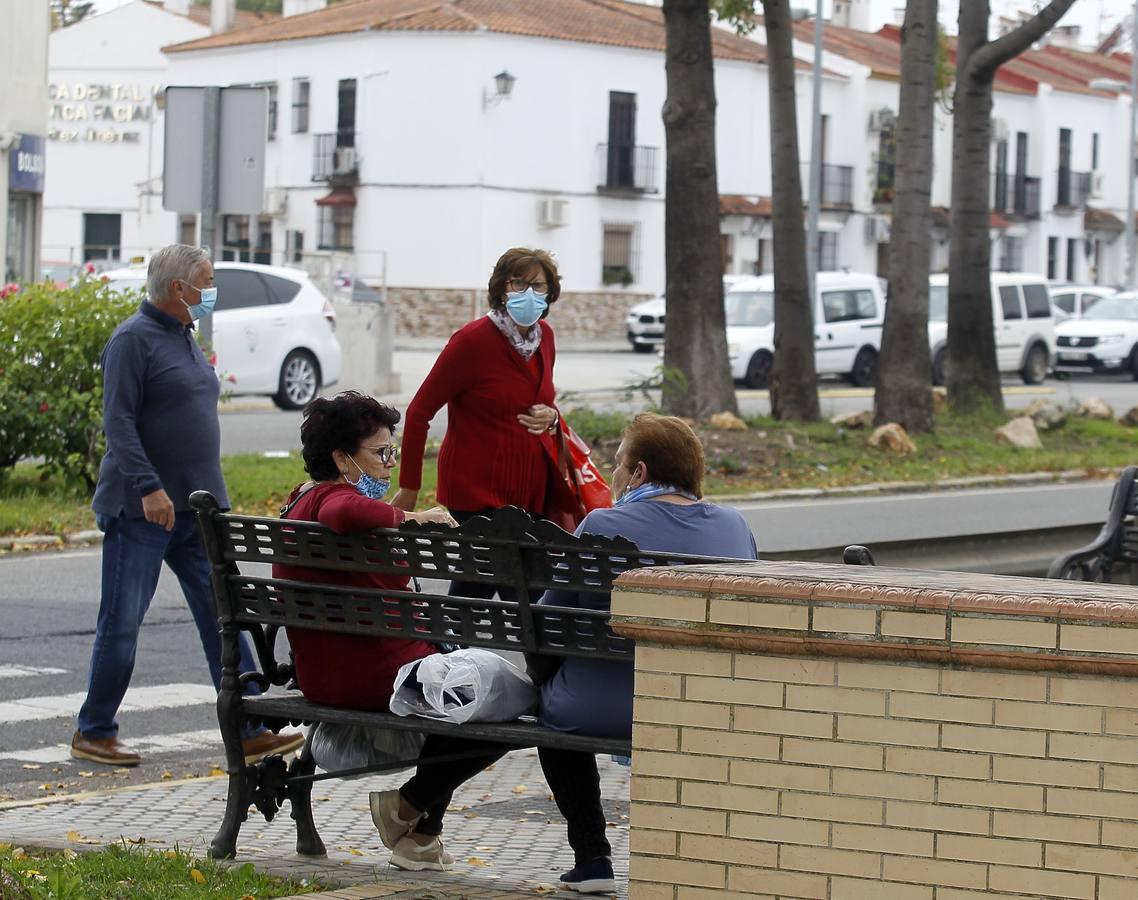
[(503, 829)]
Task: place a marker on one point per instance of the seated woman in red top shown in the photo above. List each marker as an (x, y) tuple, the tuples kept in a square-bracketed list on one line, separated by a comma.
[(349, 450), (495, 377)]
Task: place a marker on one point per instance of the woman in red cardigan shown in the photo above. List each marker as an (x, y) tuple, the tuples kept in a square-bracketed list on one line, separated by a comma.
[(495, 377)]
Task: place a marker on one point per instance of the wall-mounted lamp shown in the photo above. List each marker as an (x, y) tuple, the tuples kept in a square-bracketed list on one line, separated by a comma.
[(503, 87)]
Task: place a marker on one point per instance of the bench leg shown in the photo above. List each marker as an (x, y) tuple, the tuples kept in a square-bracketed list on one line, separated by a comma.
[(224, 845), (308, 841)]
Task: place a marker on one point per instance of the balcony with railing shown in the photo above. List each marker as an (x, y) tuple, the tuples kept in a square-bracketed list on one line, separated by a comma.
[(627, 169), (335, 156), (1072, 189), (1015, 195)]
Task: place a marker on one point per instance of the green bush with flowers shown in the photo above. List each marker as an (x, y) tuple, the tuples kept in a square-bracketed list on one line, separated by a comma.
[(51, 386)]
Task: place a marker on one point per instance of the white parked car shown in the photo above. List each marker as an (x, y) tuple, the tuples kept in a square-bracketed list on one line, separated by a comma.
[(849, 310), (273, 331), (1105, 339), (644, 324), (1022, 319), (1071, 301)]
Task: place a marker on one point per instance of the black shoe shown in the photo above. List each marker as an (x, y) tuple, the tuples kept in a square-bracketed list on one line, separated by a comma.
[(593, 877)]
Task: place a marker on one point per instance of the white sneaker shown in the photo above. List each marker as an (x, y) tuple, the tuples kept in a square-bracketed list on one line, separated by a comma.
[(421, 857), (385, 814)]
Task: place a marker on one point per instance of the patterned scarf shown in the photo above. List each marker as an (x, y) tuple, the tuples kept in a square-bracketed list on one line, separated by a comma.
[(526, 346)]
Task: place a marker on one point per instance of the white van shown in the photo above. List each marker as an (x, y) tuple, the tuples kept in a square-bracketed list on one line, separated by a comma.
[(1022, 318), (849, 310)]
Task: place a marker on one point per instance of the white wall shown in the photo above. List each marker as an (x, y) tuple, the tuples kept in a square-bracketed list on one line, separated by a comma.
[(106, 131), (23, 74)]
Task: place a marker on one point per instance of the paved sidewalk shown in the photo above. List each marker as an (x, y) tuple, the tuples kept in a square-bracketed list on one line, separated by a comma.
[(504, 831)]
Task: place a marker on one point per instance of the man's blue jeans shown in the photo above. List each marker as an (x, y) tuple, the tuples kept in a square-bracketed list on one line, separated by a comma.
[(133, 553)]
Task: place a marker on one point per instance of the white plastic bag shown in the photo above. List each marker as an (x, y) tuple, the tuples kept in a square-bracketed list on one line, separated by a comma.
[(336, 747), (470, 685)]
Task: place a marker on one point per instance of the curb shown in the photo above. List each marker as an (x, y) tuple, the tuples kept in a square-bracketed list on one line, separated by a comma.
[(35, 542)]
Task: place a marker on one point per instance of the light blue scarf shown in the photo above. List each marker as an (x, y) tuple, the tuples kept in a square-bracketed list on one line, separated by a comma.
[(648, 490)]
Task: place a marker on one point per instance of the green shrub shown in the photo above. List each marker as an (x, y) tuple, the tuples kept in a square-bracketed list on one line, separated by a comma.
[(51, 386)]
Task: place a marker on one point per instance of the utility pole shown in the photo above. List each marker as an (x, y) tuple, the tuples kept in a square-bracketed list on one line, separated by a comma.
[(1132, 166), (815, 176), (211, 132)]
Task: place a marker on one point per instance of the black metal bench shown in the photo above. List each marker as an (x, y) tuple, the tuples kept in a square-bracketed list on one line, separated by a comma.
[(509, 550), (1115, 547)]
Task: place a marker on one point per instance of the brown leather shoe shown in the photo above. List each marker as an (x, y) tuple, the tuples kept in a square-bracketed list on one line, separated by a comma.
[(266, 744), (108, 751)]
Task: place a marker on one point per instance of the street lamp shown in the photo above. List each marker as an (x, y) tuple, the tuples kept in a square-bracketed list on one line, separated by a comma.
[(503, 87), (1110, 84)]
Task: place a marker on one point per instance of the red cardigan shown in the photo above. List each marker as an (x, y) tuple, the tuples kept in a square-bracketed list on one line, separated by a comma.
[(347, 670), (487, 459)]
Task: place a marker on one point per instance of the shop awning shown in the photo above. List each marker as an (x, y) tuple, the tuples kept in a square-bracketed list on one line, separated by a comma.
[(341, 196)]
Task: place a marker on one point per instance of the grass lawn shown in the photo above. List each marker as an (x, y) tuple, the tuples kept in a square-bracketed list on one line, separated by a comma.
[(769, 455), (122, 871)]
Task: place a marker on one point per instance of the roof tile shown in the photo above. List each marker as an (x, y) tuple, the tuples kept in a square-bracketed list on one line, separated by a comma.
[(611, 22)]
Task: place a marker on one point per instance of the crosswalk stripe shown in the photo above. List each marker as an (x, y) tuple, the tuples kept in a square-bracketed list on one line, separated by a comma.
[(147, 745), (56, 706), (27, 671)]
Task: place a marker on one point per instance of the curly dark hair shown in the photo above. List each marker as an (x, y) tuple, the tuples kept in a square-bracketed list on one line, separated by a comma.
[(340, 423), (518, 261)]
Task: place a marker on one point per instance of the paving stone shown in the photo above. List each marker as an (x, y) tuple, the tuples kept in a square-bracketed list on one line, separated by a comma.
[(514, 853)]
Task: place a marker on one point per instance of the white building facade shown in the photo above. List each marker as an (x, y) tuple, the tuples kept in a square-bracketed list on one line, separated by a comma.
[(23, 133), (103, 199)]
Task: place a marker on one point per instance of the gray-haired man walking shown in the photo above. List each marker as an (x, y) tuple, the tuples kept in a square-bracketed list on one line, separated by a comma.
[(163, 442)]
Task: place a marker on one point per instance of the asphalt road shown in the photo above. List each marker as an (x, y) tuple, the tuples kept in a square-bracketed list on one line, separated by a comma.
[(50, 601), (607, 380)]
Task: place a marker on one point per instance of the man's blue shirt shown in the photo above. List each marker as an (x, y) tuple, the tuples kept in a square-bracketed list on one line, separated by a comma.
[(159, 415)]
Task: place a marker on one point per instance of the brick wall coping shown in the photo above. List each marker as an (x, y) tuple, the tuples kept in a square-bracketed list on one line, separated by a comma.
[(884, 613)]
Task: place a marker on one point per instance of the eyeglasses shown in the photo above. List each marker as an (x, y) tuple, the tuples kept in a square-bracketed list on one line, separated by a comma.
[(387, 454), (520, 284)]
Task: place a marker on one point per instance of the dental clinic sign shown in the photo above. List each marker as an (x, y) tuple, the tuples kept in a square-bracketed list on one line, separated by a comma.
[(26, 164), (100, 113)]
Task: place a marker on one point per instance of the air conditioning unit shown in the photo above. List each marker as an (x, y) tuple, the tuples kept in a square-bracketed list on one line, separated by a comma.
[(881, 120), (999, 130), (276, 202), (877, 229), (1098, 180), (553, 212)]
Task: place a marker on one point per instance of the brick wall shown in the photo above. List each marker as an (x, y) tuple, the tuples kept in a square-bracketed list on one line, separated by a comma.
[(809, 731), (439, 312)]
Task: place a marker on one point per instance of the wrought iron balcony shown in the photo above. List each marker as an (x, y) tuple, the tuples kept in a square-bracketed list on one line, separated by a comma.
[(626, 168), (1072, 189), (335, 156), (1016, 195)]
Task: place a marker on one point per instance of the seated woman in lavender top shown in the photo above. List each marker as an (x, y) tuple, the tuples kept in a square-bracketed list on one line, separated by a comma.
[(657, 484)]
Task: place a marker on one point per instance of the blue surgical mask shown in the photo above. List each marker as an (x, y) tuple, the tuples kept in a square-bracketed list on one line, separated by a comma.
[(525, 307), (372, 488), (203, 309)]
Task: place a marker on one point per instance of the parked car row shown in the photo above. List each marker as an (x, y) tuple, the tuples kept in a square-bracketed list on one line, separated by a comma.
[(1038, 327), (273, 331)]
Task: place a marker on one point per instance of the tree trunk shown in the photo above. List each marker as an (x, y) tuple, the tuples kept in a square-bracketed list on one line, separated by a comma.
[(905, 371), (793, 381), (973, 372), (695, 343)]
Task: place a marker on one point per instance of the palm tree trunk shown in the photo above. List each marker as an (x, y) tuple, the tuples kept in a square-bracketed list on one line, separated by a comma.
[(905, 371), (793, 382), (973, 371), (695, 344)]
